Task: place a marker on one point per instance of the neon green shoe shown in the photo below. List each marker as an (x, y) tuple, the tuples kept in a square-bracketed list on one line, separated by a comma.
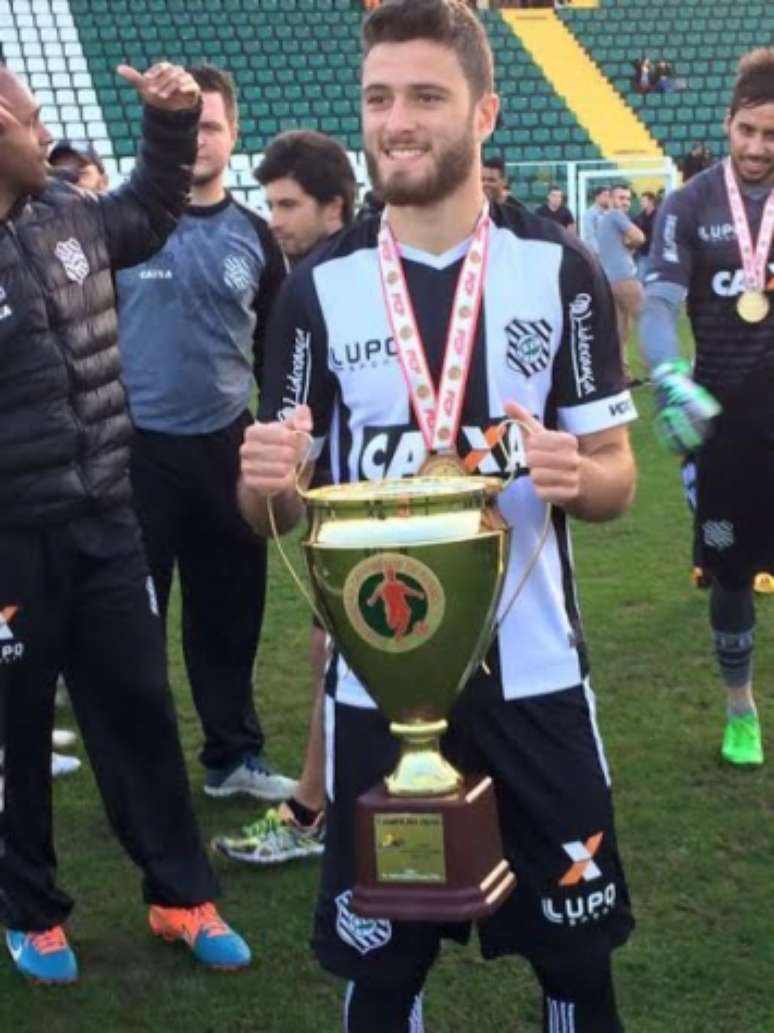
[(742, 743)]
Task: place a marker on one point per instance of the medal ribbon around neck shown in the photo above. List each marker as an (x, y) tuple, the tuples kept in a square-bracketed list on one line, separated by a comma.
[(438, 415), (754, 260)]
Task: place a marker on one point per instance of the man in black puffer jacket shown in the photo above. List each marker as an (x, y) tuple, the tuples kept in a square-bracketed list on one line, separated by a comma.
[(75, 594)]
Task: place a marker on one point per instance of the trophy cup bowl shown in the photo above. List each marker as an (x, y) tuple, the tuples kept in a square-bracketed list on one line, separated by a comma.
[(407, 575)]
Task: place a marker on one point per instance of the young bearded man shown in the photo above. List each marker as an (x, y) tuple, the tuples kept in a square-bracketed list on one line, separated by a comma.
[(712, 247), (310, 190), (191, 330), (543, 351), (75, 594)]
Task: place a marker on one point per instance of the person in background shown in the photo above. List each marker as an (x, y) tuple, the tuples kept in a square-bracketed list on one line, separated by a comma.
[(555, 209), (592, 216), (722, 410), (618, 238), (310, 191), (494, 180), (191, 332), (80, 165), (644, 220), (75, 591)]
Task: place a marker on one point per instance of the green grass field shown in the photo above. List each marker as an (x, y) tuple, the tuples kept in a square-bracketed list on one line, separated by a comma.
[(697, 839)]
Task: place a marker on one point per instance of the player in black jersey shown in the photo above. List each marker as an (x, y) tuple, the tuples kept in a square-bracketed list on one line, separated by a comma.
[(713, 247), (544, 350)]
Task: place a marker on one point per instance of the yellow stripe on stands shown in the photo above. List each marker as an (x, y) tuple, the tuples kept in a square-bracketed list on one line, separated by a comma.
[(597, 105)]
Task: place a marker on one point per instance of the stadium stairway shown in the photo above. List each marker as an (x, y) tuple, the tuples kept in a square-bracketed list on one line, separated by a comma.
[(599, 108)]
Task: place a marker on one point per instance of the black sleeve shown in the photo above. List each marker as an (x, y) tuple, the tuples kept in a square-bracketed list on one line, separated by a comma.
[(272, 278), (673, 241), (140, 215), (589, 392), (295, 366)]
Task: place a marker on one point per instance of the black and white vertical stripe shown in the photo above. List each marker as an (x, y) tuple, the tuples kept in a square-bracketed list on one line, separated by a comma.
[(561, 1016)]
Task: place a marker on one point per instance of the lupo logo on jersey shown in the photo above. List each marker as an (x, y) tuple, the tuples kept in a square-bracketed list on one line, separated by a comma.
[(528, 345), (11, 649), (394, 602), (574, 908), (373, 352)]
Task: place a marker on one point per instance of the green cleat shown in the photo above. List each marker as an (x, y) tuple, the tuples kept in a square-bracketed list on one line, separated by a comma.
[(273, 839), (742, 743)]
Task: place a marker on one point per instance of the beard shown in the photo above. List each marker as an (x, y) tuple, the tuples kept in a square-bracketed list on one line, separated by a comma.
[(205, 177), (452, 168)]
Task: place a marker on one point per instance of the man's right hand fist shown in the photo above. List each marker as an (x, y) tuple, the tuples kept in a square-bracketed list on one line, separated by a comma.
[(685, 409), (272, 453)]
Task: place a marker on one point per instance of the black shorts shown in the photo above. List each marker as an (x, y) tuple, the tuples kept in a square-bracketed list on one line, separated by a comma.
[(570, 903), (735, 500)]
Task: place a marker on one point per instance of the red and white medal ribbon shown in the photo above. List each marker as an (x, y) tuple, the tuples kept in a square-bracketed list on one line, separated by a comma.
[(754, 259), (438, 413)]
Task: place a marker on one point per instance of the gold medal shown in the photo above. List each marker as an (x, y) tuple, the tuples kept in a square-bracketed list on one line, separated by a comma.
[(753, 306), (443, 464)]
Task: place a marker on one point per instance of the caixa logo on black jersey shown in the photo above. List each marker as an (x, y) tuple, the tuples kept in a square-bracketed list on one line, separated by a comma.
[(728, 283), (370, 353), (400, 451)]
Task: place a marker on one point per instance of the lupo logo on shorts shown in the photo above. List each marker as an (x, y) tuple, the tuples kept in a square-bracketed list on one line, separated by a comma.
[(579, 908), (11, 649), (364, 934)]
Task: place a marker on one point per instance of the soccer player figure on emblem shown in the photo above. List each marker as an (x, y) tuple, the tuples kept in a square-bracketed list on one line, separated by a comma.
[(524, 330), (713, 246)]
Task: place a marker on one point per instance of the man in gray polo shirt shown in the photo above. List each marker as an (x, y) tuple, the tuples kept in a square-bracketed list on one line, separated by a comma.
[(191, 326), (617, 238)]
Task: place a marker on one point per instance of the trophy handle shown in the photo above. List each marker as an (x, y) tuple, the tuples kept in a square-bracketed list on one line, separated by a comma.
[(277, 541)]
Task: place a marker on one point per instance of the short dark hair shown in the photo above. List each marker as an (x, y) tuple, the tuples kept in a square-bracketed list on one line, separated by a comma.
[(494, 161), (214, 80), (754, 80), (600, 190), (649, 194), (621, 186), (451, 23), (317, 162), (554, 186)]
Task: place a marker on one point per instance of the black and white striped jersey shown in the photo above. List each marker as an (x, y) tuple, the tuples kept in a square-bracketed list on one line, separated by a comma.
[(546, 338)]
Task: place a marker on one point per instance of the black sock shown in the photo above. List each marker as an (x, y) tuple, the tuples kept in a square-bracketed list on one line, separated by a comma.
[(303, 815)]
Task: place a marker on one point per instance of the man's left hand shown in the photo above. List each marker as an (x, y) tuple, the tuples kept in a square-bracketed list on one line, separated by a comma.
[(552, 456), (164, 86)]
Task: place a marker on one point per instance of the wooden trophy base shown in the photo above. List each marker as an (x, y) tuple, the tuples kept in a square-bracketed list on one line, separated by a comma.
[(430, 859)]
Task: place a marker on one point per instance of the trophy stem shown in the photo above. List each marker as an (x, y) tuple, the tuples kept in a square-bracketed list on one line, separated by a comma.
[(422, 770)]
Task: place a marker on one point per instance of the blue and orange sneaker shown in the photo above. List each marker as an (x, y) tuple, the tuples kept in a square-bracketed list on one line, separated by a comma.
[(43, 957), (212, 942)]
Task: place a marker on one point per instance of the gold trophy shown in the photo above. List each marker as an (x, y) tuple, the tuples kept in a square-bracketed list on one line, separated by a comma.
[(407, 575)]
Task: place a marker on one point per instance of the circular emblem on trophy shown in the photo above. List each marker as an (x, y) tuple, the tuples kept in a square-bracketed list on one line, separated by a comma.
[(394, 602)]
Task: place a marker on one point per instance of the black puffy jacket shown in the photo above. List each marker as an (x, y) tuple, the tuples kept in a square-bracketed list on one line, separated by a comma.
[(64, 423)]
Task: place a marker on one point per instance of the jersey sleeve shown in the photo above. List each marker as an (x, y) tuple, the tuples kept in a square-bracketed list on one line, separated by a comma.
[(674, 234), (589, 390), (272, 277), (295, 367)]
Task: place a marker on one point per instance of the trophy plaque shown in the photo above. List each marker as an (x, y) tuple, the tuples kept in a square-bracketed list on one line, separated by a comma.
[(407, 575)]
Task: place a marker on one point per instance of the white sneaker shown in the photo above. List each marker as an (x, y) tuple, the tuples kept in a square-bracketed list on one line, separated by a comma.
[(253, 778), (63, 764), (63, 738)]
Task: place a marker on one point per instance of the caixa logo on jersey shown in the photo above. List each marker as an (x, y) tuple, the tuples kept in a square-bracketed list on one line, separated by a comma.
[(400, 451), (730, 283), (580, 897), (11, 649)]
